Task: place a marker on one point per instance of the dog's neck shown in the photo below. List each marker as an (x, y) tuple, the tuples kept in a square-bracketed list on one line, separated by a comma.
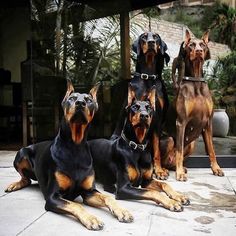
[(146, 66), (194, 68)]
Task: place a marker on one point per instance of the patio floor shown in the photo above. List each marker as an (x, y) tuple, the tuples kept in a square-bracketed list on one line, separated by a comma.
[(212, 210)]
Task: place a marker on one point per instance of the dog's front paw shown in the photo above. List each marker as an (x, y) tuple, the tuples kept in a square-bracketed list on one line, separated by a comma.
[(184, 200), (181, 176), (175, 206), (161, 173), (217, 170), (91, 222), (123, 215)]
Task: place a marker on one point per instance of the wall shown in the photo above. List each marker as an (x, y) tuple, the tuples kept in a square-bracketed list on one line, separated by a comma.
[(14, 32)]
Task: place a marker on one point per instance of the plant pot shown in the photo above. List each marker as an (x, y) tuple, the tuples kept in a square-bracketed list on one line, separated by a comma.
[(220, 123)]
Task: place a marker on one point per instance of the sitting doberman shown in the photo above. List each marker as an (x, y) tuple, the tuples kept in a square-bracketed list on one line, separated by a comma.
[(151, 56), (125, 164), (193, 105), (63, 167)]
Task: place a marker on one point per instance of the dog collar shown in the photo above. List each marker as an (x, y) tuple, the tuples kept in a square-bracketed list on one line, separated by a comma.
[(145, 76), (194, 79), (132, 144)]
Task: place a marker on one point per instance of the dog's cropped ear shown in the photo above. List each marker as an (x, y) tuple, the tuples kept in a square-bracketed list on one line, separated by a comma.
[(131, 95), (187, 37), (152, 97), (94, 90), (70, 89), (205, 37)]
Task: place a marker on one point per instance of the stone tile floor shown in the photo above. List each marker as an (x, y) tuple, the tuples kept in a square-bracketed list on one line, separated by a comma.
[(212, 210)]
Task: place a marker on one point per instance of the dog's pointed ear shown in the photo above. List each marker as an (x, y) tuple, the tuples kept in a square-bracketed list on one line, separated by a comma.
[(94, 90), (205, 37), (70, 89), (131, 95), (187, 37), (152, 97)]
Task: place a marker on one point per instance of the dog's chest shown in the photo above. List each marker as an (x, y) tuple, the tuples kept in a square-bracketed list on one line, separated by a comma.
[(138, 167), (74, 166)]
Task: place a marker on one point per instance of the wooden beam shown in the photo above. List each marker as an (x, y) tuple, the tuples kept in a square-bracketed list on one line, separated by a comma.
[(125, 45)]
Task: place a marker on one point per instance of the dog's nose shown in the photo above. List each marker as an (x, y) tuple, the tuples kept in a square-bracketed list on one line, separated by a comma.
[(198, 49), (151, 43), (80, 103), (144, 116)]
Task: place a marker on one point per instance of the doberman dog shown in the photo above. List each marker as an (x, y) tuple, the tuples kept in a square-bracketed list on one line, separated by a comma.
[(193, 104), (125, 164), (151, 56), (63, 167)]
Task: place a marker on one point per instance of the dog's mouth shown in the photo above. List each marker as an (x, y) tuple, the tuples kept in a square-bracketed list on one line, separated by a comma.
[(77, 131), (141, 131)]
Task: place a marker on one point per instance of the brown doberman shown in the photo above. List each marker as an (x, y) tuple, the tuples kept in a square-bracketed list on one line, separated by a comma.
[(193, 105)]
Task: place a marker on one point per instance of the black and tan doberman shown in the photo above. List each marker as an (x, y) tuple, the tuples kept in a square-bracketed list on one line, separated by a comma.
[(151, 57), (125, 165), (193, 104), (63, 167)]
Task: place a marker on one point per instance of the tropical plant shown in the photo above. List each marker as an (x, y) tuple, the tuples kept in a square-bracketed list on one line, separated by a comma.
[(221, 19)]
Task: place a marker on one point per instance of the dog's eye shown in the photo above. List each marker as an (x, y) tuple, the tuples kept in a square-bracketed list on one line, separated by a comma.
[(148, 108), (192, 45), (72, 98), (88, 99), (135, 107), (202, 45)]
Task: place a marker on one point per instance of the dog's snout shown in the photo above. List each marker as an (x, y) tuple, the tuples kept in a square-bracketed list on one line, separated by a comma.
[(144, 116), (198, 49), (151, 43), (80, 103)]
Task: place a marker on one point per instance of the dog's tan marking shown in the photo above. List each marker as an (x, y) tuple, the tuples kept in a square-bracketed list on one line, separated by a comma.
[(88, 182), (132, 173), (147, 173), (161, 102), (64, 182), (102, 200), (24, 181), (88, 220)]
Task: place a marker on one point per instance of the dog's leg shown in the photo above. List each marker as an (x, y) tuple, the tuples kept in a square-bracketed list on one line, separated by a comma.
[(164, 187), (58, 204), (207, 137), (161, 173), (21, 165), (180, 130), (97, 199), (130, 192)]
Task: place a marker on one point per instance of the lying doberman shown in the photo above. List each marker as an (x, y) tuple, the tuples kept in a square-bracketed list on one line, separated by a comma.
[(63, 167), (125, 164), (151, 56), (193, 104)]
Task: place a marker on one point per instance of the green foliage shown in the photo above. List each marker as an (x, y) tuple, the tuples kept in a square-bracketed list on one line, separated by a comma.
[(166, 75), (221, 19), (222, 76)]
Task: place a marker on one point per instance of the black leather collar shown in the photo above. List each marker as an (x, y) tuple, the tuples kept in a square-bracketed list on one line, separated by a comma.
[(132, 144), (145, 76)]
